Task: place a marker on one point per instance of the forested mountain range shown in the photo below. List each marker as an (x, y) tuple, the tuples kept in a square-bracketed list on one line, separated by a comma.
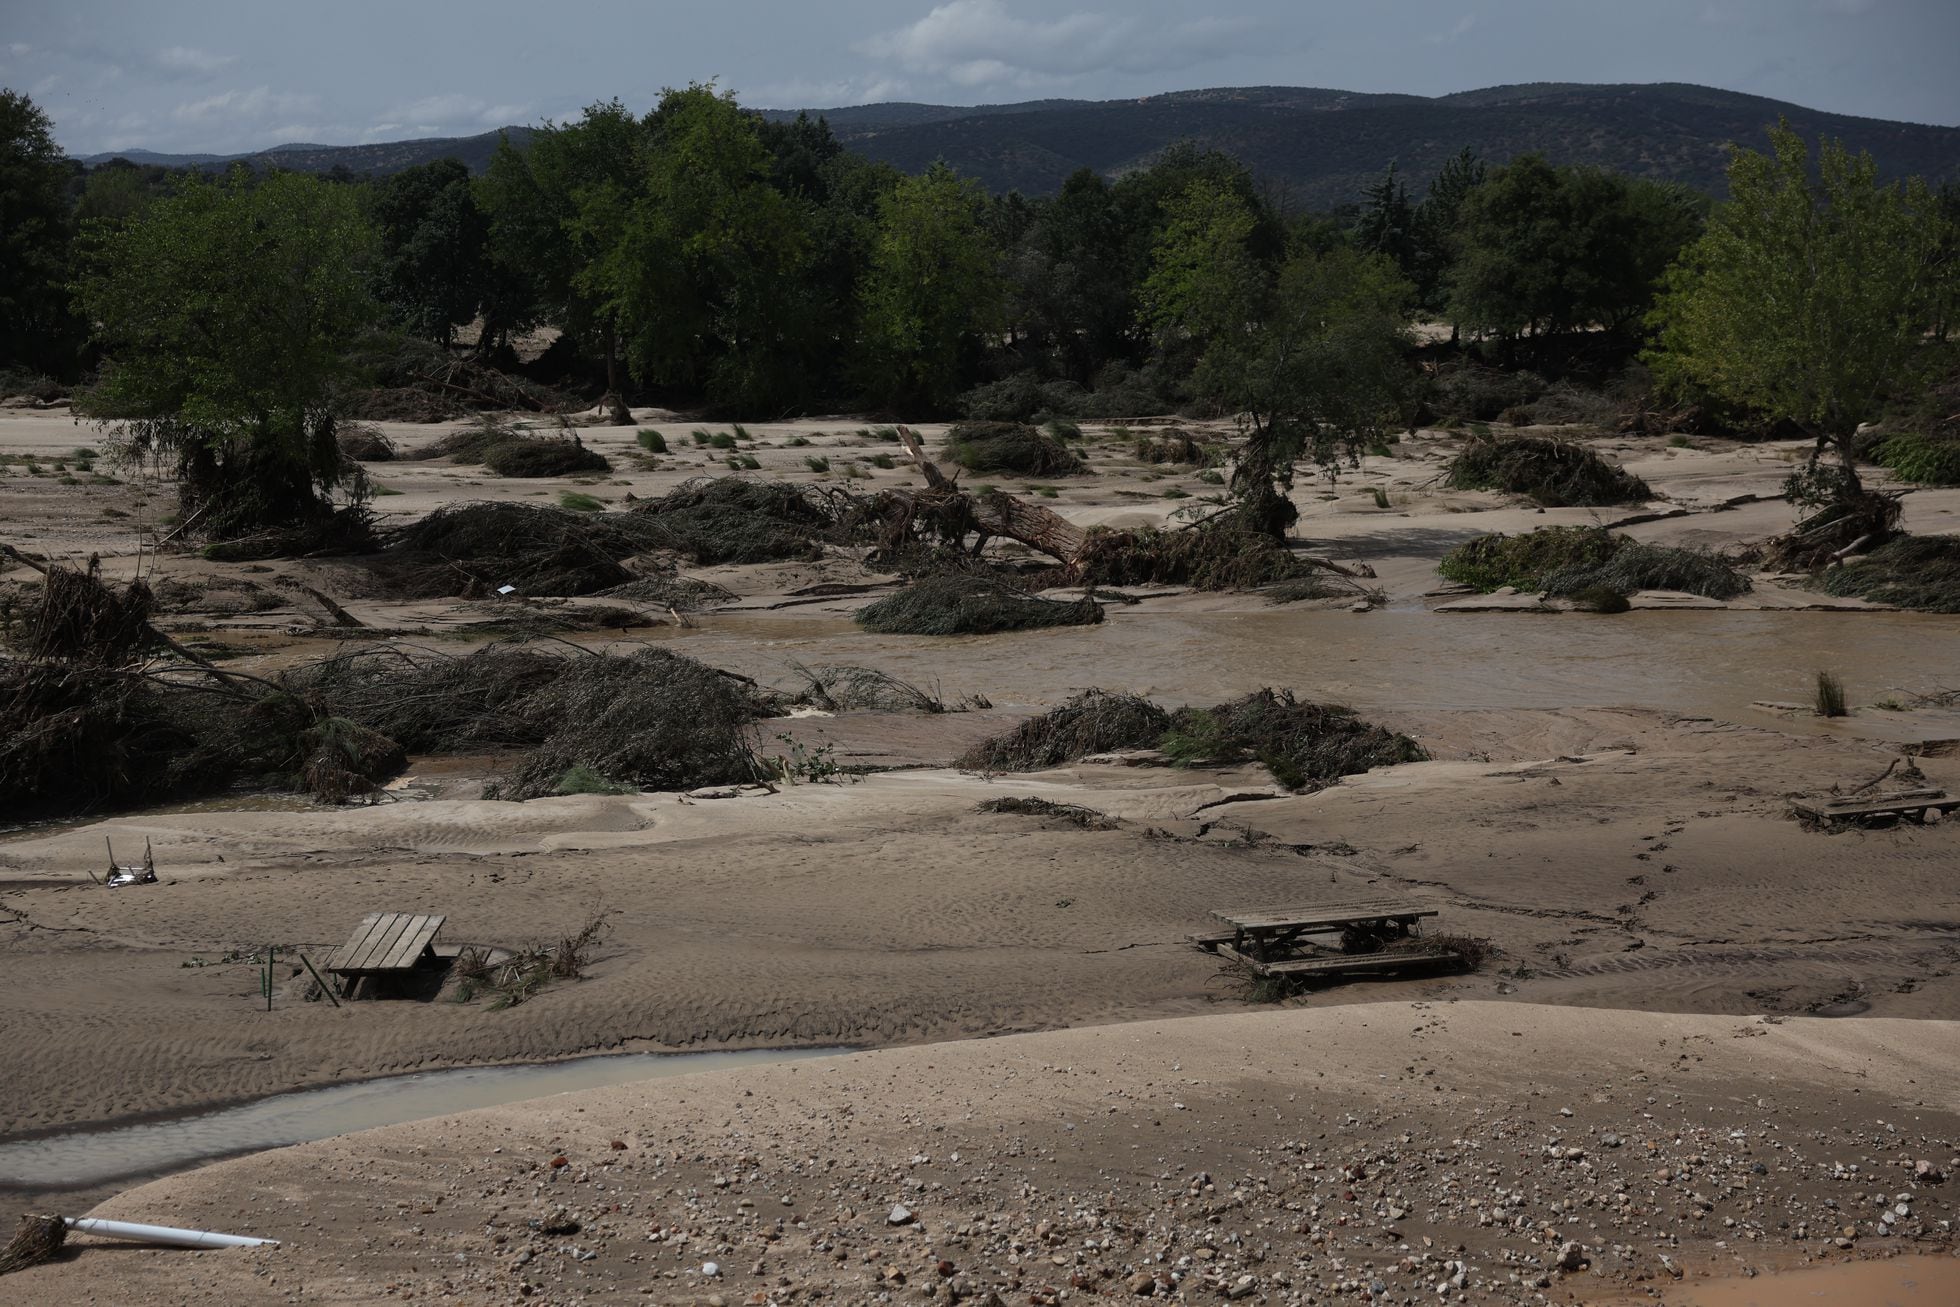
[(1320, 146)]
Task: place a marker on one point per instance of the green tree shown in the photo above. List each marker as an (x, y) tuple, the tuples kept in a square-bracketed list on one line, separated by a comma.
[(1808, 297), (1436, 222), (1545, 250), (226, 313), (1310, 355), (932, 292), (433, 267), (1388, 222), (705, 276), (36, 328)]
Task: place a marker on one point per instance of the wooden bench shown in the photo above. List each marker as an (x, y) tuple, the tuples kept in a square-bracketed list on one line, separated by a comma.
[(384, 944), (1910, 804)]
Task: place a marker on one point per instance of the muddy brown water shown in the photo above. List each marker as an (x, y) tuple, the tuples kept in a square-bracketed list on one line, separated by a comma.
[(1911, 1281), (1714, 663)]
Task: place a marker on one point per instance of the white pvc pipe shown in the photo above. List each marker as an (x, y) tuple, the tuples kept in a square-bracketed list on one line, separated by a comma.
[(163, 1234)]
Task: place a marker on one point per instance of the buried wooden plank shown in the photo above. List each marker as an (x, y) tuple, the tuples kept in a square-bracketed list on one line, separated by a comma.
[(1322, 914), (356, 942), (414, 942)]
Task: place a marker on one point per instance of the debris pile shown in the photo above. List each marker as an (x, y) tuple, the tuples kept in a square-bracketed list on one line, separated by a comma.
[(1554, 473)]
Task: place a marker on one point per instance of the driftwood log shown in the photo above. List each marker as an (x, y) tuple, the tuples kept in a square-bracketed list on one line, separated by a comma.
[(996, 514)]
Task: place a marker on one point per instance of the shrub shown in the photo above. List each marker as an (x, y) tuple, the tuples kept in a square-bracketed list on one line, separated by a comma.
[(721, 440), (1553, 472), (971, 605), (1830, 695), (817, 463), (1022, 397), (1932, 460), (1094, 721), (1009, 447), (574, 501), (525, 456), (652, 441), (581, 779)]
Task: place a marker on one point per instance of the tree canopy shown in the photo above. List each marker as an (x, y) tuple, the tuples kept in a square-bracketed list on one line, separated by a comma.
[(36, 229), (1809, 296), (226, 312)]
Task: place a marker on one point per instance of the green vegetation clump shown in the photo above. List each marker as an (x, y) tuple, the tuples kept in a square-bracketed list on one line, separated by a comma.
[(1555, 473), (1569, 561), (1918, 572), (957, 604), (1304, 745), (1931, 459), (581, 779), (652, 441), (574, 501), (534, 456), (1094, 721), (1009, 447)]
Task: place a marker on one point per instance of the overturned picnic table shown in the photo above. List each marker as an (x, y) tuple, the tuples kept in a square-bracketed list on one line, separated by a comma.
[(384, 944), (1270, 939)]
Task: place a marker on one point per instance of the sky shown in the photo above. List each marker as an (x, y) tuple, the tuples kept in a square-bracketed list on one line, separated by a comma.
[(227, 76)]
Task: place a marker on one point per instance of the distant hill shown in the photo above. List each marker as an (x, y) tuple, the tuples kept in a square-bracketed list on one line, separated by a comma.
[(379, 159), (1323, 146)]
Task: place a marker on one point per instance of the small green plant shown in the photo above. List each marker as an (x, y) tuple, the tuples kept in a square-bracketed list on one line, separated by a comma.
[(1679, 442), (887, 434), (652, 441), (1176, 493), (700, 437), (741, 433), (1890, 703), (579, 502), (803, 765), (817, 463), (1062, 429), (1480, 429), (750, 463), (1046, 492), (1211, 476), (84, 454), (1830, 695), (722, 440), (581, 779), (797, 442), (985, 488), (1381, 497), (378, 490), (734, 462), (883, 460)]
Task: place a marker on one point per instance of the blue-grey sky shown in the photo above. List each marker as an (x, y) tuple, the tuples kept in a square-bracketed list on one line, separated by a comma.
[(222, 76)]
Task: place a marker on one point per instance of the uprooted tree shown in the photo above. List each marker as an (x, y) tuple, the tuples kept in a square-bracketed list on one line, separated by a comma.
[(1307, 352), (226, 313)]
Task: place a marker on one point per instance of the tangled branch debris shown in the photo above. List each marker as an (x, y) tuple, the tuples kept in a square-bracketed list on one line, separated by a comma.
[(971, 605), (1918, 572), (472, 549), (1572, 561), (1094, 721), (1555, 473), (1306, 746), (732, 520)]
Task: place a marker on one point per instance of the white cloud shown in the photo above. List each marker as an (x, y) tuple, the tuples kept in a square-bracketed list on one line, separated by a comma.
[(1456, 32), (187, 61), (798, 93), (240, 108), (444, 115), (981, 43), (19, 49)]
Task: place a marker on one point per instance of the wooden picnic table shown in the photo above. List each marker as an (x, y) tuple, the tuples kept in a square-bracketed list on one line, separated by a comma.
[(384, 943), (1260, 932), (1910, 804)]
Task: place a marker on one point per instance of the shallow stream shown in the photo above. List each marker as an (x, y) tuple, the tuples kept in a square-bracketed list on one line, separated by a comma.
[(80, 1159)]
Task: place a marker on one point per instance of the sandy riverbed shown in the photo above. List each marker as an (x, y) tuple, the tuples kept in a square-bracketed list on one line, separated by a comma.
[(1607, 803)]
